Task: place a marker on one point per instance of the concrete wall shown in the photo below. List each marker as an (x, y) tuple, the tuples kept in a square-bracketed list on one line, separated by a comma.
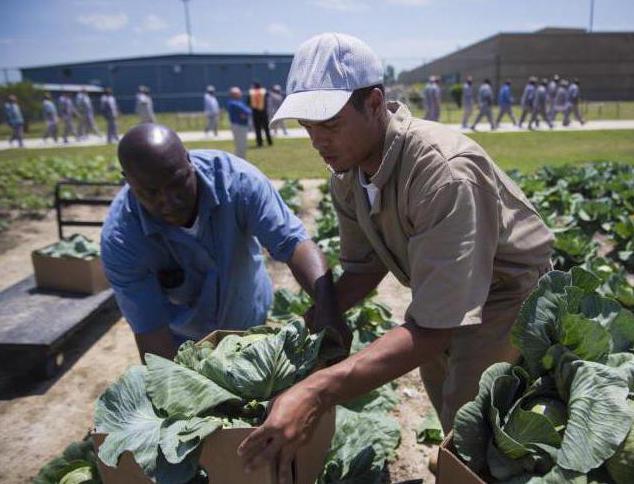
[(177, 82), (603, 62)]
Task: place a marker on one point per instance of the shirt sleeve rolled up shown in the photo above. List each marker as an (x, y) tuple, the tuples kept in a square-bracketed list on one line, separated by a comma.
[(451, 255)]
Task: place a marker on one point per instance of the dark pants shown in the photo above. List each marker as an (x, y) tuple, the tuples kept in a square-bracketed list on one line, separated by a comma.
[(261, 122)]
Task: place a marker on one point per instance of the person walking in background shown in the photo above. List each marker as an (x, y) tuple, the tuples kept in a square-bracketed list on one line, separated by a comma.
[(86, 115), (111, 113), (145, 106), (527, 100), (561, 101), (551, 92), (67, 111), (51, 118), (212, 110), (437, 98), (505, 102), (540, 104), (467, 101), (431, 96), (485, 101), (275, 101), (258, 98), (239, 114), (573, 103), (15, 120)]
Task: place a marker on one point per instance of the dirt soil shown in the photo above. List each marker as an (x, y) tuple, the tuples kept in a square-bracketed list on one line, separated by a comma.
[(38, 420)]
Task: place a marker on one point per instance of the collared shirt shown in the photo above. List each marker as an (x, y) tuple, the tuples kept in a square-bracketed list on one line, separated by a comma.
[(485, 95), (447, 222), (109, 106), (66, 107), (211, 105), (49, 110), (528, 96), (13, 114), (540, 97), (83, 103), (573, 93), (238, 112), (214, 280), (505, 98)]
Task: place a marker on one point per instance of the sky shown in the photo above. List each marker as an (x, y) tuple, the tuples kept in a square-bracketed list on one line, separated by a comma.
[(404, 33)]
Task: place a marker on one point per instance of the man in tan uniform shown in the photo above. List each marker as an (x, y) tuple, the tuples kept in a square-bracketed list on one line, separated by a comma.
[(429, 205)]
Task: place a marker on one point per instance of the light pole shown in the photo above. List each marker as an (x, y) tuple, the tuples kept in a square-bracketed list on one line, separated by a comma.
[(591, 14), (188, 26)]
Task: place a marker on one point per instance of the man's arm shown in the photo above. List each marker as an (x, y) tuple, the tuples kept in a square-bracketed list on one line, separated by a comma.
[(158, 342), (294, 413), (352, 288), (311, 271)]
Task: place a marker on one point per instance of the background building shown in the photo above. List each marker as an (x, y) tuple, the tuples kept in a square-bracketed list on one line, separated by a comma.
[(603, 61), (176, 82)]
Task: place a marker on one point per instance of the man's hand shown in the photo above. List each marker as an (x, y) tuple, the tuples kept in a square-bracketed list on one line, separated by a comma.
[(337, 331), (291, 422)]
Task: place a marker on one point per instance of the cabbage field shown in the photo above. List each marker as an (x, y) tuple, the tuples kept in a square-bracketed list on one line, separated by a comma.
[(563, 414)]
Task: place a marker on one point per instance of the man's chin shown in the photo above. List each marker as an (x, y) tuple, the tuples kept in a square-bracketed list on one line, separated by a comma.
[(335, 172)]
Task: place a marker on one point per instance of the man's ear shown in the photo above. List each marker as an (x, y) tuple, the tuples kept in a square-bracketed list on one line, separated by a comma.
[(376, 101)]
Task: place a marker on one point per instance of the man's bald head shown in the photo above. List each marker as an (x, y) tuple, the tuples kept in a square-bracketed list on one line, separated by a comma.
[(151, 149), (157, 168)]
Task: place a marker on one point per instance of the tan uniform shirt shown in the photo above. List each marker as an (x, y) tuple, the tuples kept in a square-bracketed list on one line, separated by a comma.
[(447, 222)]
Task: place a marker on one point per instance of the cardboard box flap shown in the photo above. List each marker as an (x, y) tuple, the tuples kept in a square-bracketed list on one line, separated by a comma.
[(451, 470), (219, 457)]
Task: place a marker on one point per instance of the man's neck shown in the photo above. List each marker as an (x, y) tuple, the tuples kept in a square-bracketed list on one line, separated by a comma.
[(373, 162)]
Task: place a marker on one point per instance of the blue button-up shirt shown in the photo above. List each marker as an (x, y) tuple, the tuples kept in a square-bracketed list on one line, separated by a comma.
[(224, 280), (239, 112), (505, 98)]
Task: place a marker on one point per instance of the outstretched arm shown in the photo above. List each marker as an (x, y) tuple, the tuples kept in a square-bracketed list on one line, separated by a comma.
[(294, 413)]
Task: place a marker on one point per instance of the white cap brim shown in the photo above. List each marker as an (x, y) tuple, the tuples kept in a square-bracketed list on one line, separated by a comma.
[(318, 105)]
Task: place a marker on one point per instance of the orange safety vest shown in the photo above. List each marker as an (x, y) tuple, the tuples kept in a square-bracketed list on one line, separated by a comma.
[(257, 98)]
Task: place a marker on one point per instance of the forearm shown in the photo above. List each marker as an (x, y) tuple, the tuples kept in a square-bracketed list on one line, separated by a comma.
[(309, 267), (397, 352), (158, 342), (352, 288)]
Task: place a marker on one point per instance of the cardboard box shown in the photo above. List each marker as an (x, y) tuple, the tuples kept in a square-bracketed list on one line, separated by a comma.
[(451, 470), (84, 276), (219, 455)]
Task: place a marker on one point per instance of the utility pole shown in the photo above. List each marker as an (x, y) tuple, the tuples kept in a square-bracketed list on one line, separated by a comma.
[(591, 15), (188, 26)]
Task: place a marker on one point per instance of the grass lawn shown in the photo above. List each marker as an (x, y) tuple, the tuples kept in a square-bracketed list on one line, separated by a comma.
[(27, 177)]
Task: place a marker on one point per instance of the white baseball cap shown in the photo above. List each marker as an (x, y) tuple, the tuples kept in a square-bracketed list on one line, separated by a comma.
[(325, 71)]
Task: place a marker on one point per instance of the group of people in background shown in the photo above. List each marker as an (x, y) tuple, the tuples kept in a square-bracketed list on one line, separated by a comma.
[(66, 110), (76, 114), (540, 100), (260, 106)]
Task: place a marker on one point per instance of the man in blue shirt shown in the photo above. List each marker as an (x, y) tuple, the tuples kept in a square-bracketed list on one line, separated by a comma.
[(239, 116), (181, 244), (505, 101), (15, 119)]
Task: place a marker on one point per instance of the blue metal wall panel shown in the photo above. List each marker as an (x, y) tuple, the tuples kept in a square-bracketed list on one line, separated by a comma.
[(176, 82)]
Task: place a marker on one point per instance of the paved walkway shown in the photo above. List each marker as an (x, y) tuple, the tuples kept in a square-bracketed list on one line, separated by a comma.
[(301, 133)]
